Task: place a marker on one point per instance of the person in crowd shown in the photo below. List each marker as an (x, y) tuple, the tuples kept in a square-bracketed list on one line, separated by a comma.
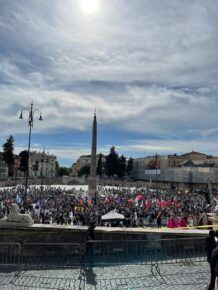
[(182, 223), (210, 244), (90, 236), (214, 270), (216, 236), (159, 220), (171, 222), (151, 218)]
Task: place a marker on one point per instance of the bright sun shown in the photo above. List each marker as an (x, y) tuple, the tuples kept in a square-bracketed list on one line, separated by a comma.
[(89, 6)]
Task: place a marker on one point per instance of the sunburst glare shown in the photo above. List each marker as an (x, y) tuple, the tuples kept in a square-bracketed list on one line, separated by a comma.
[(89, 6)]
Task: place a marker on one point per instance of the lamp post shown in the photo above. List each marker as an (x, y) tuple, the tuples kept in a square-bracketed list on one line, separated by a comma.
[(137, 174), (156, 172), (42, 168), (30, 124)]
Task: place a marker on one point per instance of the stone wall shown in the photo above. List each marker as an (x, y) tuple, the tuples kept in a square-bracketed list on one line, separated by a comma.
[(66, 234)]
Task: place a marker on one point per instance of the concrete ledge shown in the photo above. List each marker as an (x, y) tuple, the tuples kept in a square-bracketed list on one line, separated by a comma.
[(162, 231), (123, 230), (39, 233)]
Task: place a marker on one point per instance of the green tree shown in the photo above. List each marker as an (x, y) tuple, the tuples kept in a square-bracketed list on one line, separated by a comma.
[(121, 167), (23, 161), (111, 162), (57, 166), (63, 171), (129, 166), (99, 166), (84, 170), (8, 155)]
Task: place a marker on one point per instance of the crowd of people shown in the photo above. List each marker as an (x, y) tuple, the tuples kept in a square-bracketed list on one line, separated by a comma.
[(140, 207)]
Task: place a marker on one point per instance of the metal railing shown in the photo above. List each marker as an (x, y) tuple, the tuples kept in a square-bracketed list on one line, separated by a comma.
[(51, 255), (153, 253), (120, 252), (10, 254), (150, 252), (169, 251)]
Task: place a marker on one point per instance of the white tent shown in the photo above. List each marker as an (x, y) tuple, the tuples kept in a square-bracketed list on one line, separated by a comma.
[(112, 215)]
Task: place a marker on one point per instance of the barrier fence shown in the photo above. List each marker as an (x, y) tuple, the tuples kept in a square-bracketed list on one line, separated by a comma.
[(103, 253), (10, 254), (170, 251), (150, 252), (51, 255)]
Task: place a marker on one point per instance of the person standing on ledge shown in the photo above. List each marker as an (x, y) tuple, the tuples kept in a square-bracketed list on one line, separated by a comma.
[(210, 244), (90, 236), (159, 220)]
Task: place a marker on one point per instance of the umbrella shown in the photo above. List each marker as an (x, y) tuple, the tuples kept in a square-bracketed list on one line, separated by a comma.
[(112, 215)]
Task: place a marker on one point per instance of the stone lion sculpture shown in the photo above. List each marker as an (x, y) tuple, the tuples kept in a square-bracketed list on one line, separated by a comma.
[(16, 217)]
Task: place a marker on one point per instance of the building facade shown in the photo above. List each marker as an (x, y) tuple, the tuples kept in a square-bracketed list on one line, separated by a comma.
[(190, 168), (83, 161), (3, 168), (42, 164), (15, 168)]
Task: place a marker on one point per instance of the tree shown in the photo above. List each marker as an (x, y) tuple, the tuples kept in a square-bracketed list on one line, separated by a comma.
[(63, 171), (57, 166), (23, 161), (84, 170), (8, 156), (121, 166), (99, 165), (129, 166), (111, 162)]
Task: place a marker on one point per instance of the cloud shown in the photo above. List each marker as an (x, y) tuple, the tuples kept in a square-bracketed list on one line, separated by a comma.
[(148, 67)]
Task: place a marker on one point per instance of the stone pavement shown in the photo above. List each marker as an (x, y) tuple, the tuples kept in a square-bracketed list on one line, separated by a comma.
[(117, 277)]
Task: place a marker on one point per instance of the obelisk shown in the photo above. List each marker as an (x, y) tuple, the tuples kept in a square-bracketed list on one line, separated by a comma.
[(92, 178)]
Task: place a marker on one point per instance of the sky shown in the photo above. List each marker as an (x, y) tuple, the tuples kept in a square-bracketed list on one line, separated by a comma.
[(148, 67)]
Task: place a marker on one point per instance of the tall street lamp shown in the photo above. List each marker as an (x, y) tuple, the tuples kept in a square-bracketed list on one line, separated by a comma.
[(30, 124), (156, 172), (42, 168)]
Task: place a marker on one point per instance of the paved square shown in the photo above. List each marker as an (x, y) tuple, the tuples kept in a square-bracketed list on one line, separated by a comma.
[(118, 277)]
